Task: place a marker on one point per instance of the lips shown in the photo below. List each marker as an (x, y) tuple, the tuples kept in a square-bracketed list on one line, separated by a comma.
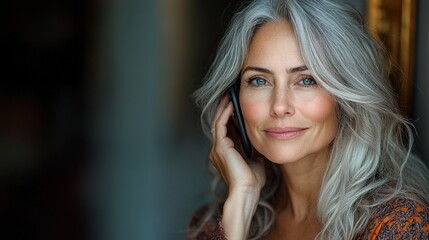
[(285, 132)]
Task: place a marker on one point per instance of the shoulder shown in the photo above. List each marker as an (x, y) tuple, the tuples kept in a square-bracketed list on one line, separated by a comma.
[(200, 227), (399, 218)]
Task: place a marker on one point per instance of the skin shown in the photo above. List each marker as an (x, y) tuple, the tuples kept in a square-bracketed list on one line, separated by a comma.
[(291, 121)]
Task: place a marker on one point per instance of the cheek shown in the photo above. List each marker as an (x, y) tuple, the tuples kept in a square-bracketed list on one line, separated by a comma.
[(322, 112), (320, 109), (253, 110)]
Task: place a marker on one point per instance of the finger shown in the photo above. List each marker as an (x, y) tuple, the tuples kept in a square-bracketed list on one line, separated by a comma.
[(220, 107), (220, 140), (220, 110), (221, 123)]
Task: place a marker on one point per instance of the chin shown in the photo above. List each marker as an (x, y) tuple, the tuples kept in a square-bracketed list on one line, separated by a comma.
[(282, 161), (281, 157)]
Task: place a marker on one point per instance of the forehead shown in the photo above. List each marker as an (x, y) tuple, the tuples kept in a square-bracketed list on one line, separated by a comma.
[(276, 26), (274, 43)]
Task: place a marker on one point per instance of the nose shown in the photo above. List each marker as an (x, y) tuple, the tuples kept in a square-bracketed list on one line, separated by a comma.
[(282, 103)]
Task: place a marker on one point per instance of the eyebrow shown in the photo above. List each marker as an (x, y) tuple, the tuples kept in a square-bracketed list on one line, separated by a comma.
[(265, 70), (297, 69)]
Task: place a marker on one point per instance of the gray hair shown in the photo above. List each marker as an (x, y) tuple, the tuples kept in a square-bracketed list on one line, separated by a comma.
[(371, 160)]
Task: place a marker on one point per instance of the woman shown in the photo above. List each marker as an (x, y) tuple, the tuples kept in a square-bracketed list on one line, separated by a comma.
[(332, 154)]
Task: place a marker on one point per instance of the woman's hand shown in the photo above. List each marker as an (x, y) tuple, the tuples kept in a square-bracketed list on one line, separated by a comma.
[(236, 172), (244, 179)]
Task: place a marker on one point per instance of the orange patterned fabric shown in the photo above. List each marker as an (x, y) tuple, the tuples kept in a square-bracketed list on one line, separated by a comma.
[(398, 219)]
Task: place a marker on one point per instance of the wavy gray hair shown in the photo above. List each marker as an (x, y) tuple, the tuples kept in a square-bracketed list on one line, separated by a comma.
[(371, 160)]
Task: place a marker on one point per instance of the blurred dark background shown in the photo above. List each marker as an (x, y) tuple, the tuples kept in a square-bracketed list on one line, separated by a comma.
[(44, 118), (99, 138)]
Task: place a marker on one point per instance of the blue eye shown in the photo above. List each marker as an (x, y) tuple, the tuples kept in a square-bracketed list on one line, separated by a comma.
[(257, 81), (307, 82)]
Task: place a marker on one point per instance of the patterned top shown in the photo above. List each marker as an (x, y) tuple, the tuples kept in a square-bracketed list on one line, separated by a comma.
[(396, 220)]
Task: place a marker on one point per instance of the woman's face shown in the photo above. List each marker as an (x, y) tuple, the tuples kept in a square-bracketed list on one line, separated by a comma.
[(288, 116)]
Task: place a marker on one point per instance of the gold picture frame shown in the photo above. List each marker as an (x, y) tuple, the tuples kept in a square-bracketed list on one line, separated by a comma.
[(393, 22)]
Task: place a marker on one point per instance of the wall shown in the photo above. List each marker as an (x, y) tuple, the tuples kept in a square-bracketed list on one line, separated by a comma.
[(421, 80), (358, 4), (148, 173)]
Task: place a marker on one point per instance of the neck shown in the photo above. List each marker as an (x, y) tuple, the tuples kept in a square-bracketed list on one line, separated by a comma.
[(301, 186)]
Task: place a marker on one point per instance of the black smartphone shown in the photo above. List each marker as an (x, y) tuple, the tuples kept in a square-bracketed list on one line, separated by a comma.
[(233, 95)]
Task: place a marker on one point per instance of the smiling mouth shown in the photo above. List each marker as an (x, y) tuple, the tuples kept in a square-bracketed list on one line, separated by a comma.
[(284, 133)]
